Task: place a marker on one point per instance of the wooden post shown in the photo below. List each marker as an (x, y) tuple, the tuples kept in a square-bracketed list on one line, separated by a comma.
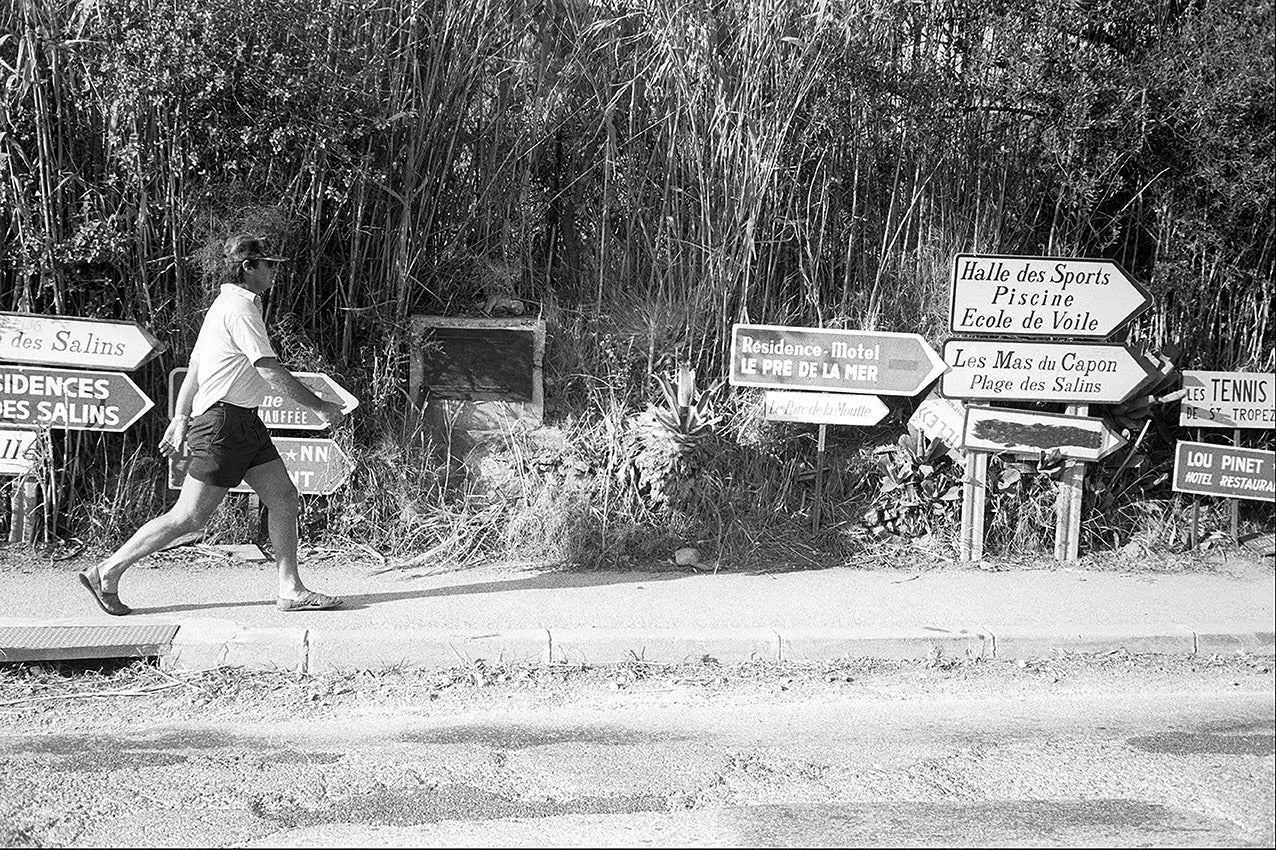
[(1194, 538), (1236, 503), (819, 480), (981, 503), (255, 524), (1067, 527), (17, 511), (974, 496)]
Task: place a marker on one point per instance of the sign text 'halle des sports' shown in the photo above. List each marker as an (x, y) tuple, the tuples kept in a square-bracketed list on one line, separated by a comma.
[(1042, 296)]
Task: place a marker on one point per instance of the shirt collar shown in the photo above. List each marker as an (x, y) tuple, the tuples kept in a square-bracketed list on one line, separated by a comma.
[(242, 293)]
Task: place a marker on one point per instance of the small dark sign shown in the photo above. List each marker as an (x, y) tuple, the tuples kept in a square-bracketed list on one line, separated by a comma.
[(475, 359)]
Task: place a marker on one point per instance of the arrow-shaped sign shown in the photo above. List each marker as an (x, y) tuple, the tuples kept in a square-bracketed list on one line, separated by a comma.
[(1006, 370), (826, 408), (280, 412), (78, 400), (19, 449), (1042, 296), (991, 429), (71, 341), (1228, 400), (318, 467), (831, 360)]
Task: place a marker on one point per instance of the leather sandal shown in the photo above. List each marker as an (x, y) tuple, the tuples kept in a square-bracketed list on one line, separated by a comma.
[(310, 602), (109, 602)]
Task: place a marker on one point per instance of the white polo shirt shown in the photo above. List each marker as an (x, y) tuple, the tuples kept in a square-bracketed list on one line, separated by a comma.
[(231, 340)]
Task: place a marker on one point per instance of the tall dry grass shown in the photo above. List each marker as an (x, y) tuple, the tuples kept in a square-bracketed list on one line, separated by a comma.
[(643, 173)]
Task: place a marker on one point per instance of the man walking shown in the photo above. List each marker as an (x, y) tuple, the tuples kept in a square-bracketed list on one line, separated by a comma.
[(232, 368)]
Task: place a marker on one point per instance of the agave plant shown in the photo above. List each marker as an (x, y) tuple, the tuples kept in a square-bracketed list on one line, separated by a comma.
[(920, 483), (666, 441)]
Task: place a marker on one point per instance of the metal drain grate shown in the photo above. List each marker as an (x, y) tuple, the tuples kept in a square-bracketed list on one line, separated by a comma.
[(67, 643)]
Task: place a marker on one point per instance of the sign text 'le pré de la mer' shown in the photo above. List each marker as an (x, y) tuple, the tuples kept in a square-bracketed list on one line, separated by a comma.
[(827, 360)]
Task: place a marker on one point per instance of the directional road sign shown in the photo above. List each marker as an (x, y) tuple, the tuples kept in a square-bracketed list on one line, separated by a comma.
[(941, 419), (1212, 470), (316, 466), (1007, 370), (1228, 400), (279, 412), (80, 400), (790, 358), (826, 408), (1042, 296), (19, 449), (991, 429), (71, 341)]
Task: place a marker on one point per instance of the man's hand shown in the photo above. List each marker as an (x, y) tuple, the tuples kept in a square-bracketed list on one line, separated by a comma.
[(173, 443), (330, 413)]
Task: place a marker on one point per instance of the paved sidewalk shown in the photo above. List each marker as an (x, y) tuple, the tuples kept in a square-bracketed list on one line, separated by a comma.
[(226, 614)]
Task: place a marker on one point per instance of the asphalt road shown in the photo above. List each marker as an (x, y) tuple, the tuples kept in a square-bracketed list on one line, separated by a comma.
[(1102, 753)]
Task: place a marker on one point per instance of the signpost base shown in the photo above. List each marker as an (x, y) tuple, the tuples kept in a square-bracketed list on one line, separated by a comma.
[(24, 511), (974, 497), (1067, 527)]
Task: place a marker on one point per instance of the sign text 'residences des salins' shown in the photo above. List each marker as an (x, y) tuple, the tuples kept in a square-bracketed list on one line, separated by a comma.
[(1042, 296), (77, 400)]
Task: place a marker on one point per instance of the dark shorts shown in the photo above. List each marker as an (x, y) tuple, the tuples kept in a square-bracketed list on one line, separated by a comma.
[(226, 441)]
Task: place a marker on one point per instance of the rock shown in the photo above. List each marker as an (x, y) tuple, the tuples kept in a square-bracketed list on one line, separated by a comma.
[(687, 556)]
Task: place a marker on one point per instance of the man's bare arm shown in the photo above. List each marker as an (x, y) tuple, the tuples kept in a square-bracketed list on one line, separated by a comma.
[(284, 381), (174, 440)]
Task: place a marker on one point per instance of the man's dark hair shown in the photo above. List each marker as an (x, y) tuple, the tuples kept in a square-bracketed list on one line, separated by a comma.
[(245, 247)]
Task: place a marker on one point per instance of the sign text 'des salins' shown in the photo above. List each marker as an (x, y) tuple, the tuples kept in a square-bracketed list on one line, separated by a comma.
[(1021, 370), (73, 341)]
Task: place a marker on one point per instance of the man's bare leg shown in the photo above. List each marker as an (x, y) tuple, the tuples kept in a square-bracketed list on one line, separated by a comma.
[(277, 493), (195, 504)]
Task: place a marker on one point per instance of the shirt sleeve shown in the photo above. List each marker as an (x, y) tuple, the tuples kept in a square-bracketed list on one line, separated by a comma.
[(249, 336)]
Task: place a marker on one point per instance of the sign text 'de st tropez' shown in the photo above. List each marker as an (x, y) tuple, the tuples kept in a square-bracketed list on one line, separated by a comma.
[(1228, 400), (1042, 296), (19, 450), (824, 408), (280, 412), (70, 341), (991, 429), (1211, 470), (81, 400), (826, 360), (317, 466), (1010, 370)]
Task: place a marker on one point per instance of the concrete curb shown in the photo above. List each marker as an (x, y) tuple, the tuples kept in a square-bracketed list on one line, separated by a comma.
[(208, 644), (1157, 638), (370, 649), (205, 644)]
